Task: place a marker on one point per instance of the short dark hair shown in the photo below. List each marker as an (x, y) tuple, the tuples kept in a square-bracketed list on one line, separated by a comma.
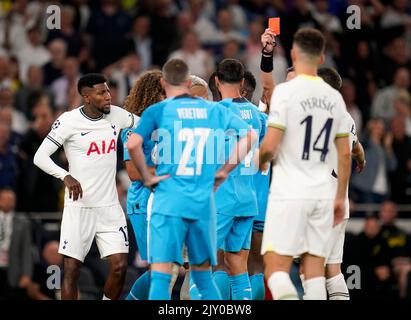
[(213, 87), (175, 72), (331, 76), (311, 41), (230, 71), (89, 80), (249, 81)]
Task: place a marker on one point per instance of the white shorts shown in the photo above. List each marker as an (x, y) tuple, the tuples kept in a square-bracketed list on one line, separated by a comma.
[(294, 227), (335, 245), (80, 226)]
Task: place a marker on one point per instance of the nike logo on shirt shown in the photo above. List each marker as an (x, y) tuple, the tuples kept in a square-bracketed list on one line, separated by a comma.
[(84, 133)]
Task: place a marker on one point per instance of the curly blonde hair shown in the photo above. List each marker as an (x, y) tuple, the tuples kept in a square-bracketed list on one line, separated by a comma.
[(147, 90)]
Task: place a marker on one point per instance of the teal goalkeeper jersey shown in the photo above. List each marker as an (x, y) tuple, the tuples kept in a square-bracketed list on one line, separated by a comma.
[(237, 196), (189, 133)]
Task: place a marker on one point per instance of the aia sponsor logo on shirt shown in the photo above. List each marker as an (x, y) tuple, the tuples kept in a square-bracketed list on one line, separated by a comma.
[(101, 147)]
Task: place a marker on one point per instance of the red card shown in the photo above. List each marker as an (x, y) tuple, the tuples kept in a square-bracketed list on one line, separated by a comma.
[(274, 25)]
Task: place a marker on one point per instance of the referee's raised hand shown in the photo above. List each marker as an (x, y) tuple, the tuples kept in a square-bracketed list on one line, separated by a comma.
[(74, 187)]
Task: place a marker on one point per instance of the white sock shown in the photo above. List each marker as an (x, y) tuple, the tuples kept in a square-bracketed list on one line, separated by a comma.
[(337, 288), (105, 298), (185, 287), (314, 289), (302, 278), (281, 286), (175, 270)]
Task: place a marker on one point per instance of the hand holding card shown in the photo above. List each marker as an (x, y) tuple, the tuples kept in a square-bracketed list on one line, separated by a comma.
[(274, 25)]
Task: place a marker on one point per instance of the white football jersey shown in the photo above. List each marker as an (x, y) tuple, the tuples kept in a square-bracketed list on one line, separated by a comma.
[(90, 146), (334, 160), (312, 114)]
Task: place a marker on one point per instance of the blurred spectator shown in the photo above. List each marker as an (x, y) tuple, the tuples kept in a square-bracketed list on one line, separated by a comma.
[(225, 28), (199, 61), (61, 86), (383, 103), (33, 53), (140, 40), (238, 14), (401, 178), (369, 255), (396, 15), (372, 185), (16, 260), (38, 191), (402, 105), (67, 32), (35, 83), (5, 80), (397, 243), (38, 289), (395, 57), (163, 31), (348, 93), (202, 25), (324, 18), (108, 26), (124, 72), (8, 158), (53, 69), (7, 101)]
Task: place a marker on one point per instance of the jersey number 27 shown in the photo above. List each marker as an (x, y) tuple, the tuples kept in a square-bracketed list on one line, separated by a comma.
[(188, 135)]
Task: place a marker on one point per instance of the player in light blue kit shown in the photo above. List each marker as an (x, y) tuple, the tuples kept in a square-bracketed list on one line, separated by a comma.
[(236, 200), (146, 91), (183, 211)]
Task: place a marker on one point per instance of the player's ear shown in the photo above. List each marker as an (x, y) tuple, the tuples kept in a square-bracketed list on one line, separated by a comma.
[(163, 83), (217, 82), (189, 83), (322, 59), (293, 55)]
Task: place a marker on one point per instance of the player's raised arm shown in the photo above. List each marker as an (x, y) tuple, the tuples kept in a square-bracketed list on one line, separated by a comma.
[(267, 66), (276, 128)]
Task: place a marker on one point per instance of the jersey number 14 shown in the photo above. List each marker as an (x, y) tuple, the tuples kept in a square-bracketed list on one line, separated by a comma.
[(326, 130)]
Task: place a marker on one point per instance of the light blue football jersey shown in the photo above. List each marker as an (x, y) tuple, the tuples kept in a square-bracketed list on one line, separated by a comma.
[(189, 133), (237, 196), (137, 194)]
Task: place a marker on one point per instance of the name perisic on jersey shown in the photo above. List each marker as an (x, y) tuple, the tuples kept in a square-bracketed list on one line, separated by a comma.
[(319, 103)]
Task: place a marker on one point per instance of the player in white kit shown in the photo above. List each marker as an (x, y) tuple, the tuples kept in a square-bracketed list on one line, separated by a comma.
[(307, 117), (335, 283), (91, 206)]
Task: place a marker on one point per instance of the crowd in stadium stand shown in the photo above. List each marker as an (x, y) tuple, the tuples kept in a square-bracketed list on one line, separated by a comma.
[(39, 69)]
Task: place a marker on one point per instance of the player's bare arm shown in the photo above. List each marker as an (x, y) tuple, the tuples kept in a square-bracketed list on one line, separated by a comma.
[(133, 172), (344, 171), (269, 146), (358, 155), (135, 148), (241, 149), (266, 75)]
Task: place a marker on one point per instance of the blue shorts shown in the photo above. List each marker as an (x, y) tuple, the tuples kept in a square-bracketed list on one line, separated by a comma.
[(168, 234), (139, 223), (234, 233), (258, 226)]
